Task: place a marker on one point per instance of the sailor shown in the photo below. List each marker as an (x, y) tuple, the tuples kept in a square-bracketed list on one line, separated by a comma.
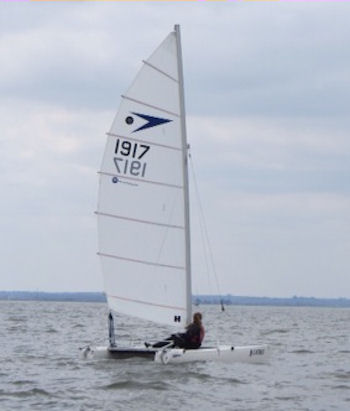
[(191, 339)]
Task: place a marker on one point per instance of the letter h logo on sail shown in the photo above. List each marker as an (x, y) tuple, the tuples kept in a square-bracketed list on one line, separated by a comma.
[(177, 318)]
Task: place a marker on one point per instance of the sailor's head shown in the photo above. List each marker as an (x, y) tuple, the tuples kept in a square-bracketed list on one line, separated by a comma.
[(197, 318)]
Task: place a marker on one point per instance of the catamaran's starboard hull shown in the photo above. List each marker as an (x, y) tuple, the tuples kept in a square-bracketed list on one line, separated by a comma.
[(225, 353)]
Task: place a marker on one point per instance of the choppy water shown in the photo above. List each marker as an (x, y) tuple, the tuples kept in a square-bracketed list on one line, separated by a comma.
[(40, 366)]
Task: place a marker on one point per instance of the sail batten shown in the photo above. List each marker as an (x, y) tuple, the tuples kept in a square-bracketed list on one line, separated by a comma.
[(139, 180), (144, 141), (139, 221), (147, 303), (132, 260), (142, 220), (143, 103), (160, 71)]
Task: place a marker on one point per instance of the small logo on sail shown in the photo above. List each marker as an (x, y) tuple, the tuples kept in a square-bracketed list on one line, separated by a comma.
[(177, 318), (151, 121)]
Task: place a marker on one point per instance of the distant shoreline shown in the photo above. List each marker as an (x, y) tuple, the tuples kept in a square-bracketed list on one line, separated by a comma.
[(197, 299)]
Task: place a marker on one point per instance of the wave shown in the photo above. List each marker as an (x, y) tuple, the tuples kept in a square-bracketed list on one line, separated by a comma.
[(26, 393), (341, 387), (137, 385), (342, 375), (276, 331), (302, 351)]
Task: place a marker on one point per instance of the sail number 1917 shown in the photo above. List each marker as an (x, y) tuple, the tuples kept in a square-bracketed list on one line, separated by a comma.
[(128, 158)]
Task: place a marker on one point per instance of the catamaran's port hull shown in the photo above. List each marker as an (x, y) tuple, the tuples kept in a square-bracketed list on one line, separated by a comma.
[(226, 353)]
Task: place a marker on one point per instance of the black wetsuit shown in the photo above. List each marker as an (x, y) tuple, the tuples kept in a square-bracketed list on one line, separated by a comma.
[(191, 339), (193, 336)]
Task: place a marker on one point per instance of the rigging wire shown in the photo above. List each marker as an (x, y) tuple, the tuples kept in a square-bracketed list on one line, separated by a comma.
[(204, 232), (204, 245)]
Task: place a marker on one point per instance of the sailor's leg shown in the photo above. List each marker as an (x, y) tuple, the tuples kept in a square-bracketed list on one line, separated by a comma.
[(160, 344), (179, 340)]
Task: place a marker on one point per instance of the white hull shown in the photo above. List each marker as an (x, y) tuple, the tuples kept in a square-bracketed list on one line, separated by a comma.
[(225, 353)]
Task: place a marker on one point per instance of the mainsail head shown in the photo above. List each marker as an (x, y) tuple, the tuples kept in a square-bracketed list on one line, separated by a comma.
[(142, 205)]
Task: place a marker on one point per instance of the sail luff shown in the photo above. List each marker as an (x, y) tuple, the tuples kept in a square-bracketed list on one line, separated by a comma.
[(185, 176)]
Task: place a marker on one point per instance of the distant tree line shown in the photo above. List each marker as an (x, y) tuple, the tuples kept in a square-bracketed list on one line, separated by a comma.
[(196, 299), (58, 296), (282, 302)]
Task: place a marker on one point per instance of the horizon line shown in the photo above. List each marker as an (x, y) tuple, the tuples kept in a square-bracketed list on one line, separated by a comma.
[(193, 295)]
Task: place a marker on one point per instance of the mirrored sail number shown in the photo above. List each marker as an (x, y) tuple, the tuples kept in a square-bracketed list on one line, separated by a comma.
[(129, 156)]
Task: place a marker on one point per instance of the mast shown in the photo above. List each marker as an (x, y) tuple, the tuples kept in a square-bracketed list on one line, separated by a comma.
[(185, 176)]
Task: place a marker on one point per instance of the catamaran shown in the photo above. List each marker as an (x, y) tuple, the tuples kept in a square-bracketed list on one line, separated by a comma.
[(143, 213)]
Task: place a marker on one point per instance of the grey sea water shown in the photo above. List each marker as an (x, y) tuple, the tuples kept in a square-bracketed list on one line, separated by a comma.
[(41, 369)]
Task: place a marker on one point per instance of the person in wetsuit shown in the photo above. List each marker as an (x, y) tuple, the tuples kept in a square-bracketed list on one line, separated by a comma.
[(191, 339)]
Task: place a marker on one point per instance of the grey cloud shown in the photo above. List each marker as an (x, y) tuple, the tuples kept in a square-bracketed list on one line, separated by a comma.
[(258, 60)]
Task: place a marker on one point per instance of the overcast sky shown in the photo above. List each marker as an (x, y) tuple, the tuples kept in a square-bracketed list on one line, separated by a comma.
[(267, 98)]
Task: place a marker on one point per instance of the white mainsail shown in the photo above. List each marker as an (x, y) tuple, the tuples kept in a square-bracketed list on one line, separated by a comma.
[(143, 217)]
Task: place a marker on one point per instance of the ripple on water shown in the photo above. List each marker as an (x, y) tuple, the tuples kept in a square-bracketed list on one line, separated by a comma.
[(203, 377), (302, 351), (26, 393), (51, 331), (276, 331), (341, 387), (23, 382), (136, 385), (342, 375)]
